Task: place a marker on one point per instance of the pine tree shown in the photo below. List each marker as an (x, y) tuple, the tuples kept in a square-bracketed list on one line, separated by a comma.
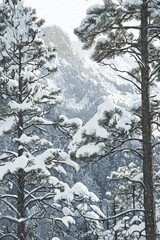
[(22, 55), (34, 196), (112, 29), (127, 197)]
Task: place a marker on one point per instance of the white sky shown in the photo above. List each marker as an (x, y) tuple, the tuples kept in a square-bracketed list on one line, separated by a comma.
[(66, 14)]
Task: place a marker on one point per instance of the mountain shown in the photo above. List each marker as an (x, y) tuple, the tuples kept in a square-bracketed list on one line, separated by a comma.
[(78, 83), (84, 84)]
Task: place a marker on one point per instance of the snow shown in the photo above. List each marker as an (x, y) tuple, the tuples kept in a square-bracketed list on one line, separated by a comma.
[(95, 9), (90, 128), (101, 40), (52, 158), (131, 172), (49, 66), (67, 220), (6, 125), (66, 195), (122, 2), (92, 215), (137, 228), (82, 207), (135, 219), (98, 211), (63, 120), (66, 211), (93, 197), (124, 122), (90, 150), (29, 88), (121, 118), (75, 121), (118, 226), (60, 169), (41, 121), (12, 84), (44, 142), (55, 181), (136, 2), (29, 162), (20, 106), (65, 158), (78, 189), (21, 220), (24, 139), (44, 94), (12, 167), (138, 178)]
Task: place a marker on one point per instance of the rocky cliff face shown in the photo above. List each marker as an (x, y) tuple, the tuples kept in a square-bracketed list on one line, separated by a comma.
[(79, 79), (84, 84)]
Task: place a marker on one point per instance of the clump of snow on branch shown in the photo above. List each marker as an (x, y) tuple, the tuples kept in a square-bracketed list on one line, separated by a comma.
[(96, 8), (6, 125), (79, 190), (69, 126)]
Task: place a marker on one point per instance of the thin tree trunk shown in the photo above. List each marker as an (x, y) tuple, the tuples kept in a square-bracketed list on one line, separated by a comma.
[(149, 202), (115, 220), (21, 229), (21, 234)]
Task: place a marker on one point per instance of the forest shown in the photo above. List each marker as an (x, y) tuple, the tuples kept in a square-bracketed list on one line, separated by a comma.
[(80, 130)]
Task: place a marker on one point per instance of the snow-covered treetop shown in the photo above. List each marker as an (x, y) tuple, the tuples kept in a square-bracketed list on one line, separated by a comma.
[(108, 125), (27, 91), (131, 172), (25, 57), (114, 27)]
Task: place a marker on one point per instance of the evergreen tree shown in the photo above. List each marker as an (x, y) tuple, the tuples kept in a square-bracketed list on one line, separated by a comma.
[(126, 202), (35, 201), (119, 28)]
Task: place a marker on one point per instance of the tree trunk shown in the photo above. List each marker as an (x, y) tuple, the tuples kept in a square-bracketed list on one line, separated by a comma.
[(21, 230), (149, 202), (21, 205), (115, 220)]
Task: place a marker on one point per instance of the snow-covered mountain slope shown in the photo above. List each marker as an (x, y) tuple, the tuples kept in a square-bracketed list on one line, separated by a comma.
[(84, 84)]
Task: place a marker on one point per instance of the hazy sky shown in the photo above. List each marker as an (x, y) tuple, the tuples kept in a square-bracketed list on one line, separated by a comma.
[(67, 14)]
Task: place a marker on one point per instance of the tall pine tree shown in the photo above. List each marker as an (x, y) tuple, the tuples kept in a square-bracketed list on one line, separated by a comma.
[(124, 27), (35, 201)]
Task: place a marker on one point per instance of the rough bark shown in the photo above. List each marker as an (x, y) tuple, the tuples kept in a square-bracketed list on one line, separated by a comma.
[(21, 231), (115, 220), (149, 202)]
